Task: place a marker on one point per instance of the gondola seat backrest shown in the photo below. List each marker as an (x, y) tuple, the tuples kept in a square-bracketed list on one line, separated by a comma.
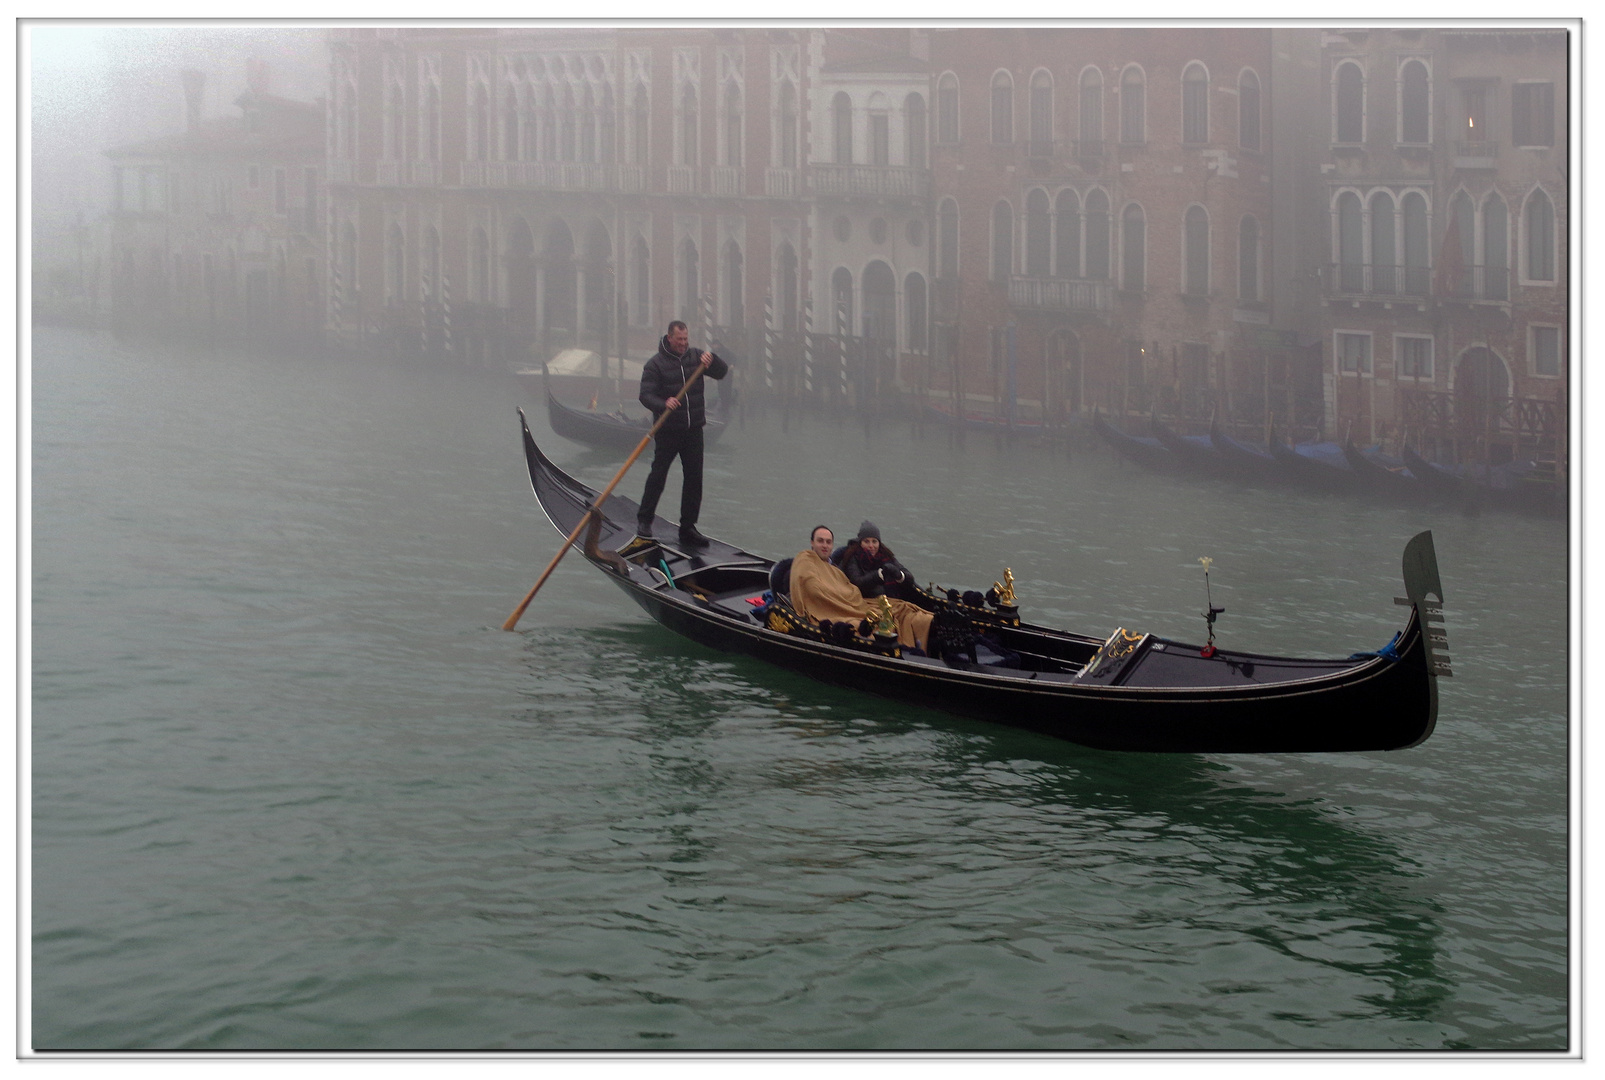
[(780, 578)]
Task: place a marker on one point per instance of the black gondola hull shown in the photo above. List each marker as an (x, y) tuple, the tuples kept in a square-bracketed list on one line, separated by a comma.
[(608, 431), (1369, 703)]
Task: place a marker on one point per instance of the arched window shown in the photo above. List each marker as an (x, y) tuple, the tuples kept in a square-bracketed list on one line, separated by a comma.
[(1540, 237), (587, 125), (1041, 114), (947, 108), (1349, 104), (948, 239), (568, 133), (430, 150), (1196, 233), (1417, 243), (1067, 234), (1350, 244), (640, 126), (914, 132), (1132, 113), (841, 127), (640, 283), (1195, 104), (880, 302), (734, 308), (732, 124), (1098, 235), (1248, 111), (1038, 234), (1091, 111), (1133, 246), (1495, 248), (395, 123), (481, 128), (549, 127), (1384, 254), (788, 126), (880, 131), (1415, 104), (608, 126), (688, 125), (1460, 246), (1003, 107), (1248, 258), (1002, 240), (914, 313)]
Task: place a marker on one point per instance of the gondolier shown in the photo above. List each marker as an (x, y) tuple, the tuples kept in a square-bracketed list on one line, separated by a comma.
[(681, 436)]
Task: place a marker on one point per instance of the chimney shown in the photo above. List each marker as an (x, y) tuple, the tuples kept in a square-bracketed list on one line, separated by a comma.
[(194, 86)]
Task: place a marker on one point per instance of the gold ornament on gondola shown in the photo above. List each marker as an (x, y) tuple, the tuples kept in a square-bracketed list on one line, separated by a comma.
[(1006, 589), (885, 624)]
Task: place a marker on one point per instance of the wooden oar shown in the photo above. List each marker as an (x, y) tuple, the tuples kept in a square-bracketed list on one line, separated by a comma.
[(518, 612)]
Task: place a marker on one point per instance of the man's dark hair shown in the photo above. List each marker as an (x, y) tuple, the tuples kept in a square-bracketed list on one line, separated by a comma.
[(816, 528), (678, 325)]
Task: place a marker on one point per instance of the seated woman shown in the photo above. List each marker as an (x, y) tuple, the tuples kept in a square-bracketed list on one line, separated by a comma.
[(871, 566)]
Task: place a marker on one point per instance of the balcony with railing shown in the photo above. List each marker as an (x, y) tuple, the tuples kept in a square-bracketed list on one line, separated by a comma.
[(727, 180), (1377, 281), (780, 183), (882, 181), (1382, 282), (682, 179), (1061, 294)]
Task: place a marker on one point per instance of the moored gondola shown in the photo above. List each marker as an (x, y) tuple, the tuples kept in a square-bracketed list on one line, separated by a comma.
[(1145, 450), (1127, 691), (1388, 478), (1319, 466), (1247, 461), (615, 430), (1195, 452)]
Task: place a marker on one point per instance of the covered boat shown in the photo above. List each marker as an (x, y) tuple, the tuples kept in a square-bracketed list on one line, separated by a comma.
[(614, 430), (1128, 690)]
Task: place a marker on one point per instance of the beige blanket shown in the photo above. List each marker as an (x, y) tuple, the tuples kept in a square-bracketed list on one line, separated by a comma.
[(821, 591)]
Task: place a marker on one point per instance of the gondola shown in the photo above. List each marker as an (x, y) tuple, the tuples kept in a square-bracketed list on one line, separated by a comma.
[(1247, 461), (1319, 466), (1145, 450), (1512, 487), (1196, 453), (613, 430), (1128, 691), (943, 412), (1379, 475)]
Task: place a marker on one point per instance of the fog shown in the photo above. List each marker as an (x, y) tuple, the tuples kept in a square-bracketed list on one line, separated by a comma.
[(90, 86)]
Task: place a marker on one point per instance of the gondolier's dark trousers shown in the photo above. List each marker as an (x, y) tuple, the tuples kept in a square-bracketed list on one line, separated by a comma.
[(686, 444)]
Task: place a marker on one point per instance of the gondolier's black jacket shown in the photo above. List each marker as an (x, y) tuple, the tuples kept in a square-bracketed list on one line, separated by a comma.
[(665, 373)]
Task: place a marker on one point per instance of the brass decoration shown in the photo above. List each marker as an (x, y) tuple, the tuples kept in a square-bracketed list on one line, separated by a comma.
[(885, 625), (1006, 589)]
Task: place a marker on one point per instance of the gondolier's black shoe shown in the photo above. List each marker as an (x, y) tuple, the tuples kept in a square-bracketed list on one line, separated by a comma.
[(691, 538), (643, 528)]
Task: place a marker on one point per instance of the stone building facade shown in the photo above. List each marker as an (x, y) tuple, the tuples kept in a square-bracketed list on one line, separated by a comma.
[(1445, 288), (216, 234)]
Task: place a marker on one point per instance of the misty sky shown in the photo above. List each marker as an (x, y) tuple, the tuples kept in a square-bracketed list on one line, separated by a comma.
[(94, 85)]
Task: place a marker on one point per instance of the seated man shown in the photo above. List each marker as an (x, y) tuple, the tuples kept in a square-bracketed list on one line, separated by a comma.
[(871, 566), (821, 591)]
